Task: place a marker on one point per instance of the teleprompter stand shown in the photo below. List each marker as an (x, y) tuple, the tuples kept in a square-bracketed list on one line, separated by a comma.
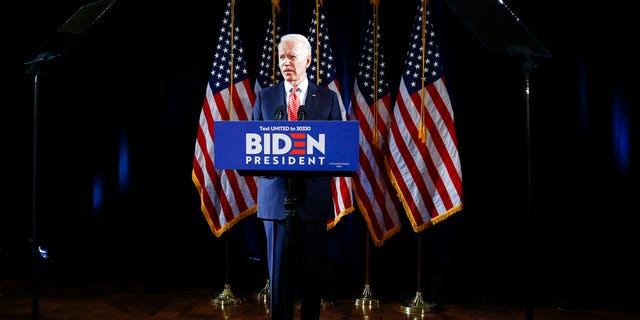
[(55, 46), (501, 30)]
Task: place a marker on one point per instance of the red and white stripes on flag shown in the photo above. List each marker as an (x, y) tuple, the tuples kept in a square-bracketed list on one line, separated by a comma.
[(372, 107), (323, 72), (226, 197), (424, 162)]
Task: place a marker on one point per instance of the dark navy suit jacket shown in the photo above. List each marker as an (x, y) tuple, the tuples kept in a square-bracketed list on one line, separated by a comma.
[(313, 194)]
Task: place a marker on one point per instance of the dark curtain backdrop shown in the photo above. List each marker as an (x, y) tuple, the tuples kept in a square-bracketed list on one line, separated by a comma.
[(139, 76)]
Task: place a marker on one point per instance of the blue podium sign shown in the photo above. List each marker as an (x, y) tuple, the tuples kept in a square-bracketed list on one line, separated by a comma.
[(319, 146)]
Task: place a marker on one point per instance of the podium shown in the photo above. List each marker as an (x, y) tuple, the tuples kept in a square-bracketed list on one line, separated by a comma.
[(285, 148), (288, 149)]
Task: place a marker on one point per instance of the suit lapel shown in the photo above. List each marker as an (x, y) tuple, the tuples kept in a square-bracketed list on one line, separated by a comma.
[(279, 96), (311, 100)]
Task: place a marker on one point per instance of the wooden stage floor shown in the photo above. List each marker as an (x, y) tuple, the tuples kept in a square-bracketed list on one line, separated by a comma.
[(137, 303)]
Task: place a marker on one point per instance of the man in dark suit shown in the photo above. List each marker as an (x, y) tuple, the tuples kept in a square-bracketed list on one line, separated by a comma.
[(304, 232)]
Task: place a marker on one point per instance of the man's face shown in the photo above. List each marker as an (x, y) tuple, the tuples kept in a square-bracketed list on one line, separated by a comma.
[(293, 63)]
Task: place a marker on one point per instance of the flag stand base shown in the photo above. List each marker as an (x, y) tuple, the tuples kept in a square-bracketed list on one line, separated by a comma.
[(366, 303), (225, 298), (264, 294), (419, 306), (367, 300), (326, 303)]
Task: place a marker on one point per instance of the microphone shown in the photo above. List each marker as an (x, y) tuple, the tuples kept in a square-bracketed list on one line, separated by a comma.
[(302, 114), (279, 114)]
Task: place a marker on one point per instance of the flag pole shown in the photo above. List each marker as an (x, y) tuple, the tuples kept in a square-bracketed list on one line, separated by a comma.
[(264, 294), (367, 302), (317, 42), (417, 305), (232, 54), (226, 297), (275, 10)]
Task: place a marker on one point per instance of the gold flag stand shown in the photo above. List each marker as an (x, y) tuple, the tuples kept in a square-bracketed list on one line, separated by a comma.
[(226, 297), (264, 294), (366, 303), (417, 305)]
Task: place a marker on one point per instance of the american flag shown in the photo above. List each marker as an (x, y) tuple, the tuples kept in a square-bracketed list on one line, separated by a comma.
[(323, 72), (226, 197), (268, 69), (371, 106), (424, 164)]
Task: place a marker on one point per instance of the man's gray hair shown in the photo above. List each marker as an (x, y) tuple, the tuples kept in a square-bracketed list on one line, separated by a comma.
[(305, 45)]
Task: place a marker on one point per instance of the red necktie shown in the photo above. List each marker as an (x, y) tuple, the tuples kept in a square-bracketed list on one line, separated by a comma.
[(293, 104)]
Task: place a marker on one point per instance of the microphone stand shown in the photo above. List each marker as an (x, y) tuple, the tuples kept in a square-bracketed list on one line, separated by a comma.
[(290, 212)]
